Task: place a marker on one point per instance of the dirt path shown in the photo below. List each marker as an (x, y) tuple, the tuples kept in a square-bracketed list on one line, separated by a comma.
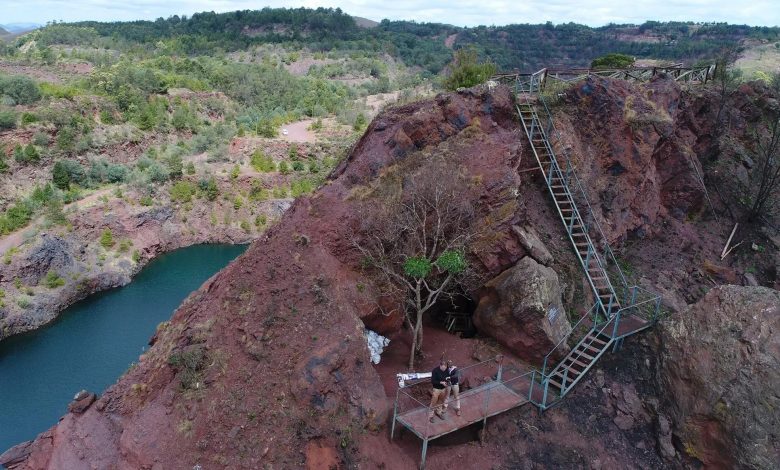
[(298, 132)]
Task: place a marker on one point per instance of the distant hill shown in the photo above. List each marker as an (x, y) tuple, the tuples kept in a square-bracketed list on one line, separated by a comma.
[(365, 22), (20, 27), (3, 32), (429, 46)]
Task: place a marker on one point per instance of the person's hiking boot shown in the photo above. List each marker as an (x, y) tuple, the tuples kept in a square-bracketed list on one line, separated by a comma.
[(439, 414), (457, 411), (431, 419)]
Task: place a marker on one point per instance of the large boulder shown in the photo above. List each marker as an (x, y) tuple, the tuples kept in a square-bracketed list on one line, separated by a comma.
[(720, 367), (522, 309)]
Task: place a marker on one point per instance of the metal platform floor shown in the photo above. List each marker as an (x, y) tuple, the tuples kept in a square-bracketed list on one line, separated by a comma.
[(477, 404)]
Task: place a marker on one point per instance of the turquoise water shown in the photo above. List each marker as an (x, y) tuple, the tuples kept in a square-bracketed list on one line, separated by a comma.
[(94, 341)]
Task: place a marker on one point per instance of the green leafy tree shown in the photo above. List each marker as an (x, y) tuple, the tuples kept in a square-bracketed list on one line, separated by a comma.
[(417, 244), (466, 70), (613, 61), (60, 176)]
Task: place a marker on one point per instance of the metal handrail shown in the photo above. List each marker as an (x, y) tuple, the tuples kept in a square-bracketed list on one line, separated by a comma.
[(579, 186), (565, 338), (565, 389), (555, 171)]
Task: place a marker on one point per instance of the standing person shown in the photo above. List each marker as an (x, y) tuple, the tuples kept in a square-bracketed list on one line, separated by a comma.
[(439, 383), (453, 381)]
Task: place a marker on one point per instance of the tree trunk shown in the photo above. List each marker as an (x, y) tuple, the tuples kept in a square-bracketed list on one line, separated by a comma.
[(414, 348)]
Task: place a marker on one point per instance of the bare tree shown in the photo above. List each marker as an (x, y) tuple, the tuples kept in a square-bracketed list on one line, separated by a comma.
[(417, 243), (764, 181), (726, 80)]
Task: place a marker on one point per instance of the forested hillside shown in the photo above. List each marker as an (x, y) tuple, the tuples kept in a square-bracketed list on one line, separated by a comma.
[(426, 45)]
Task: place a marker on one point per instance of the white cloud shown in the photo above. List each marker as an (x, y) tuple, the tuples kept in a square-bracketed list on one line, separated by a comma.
[(457, 12)]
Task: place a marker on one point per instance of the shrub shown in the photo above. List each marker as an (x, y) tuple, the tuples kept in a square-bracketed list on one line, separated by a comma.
[(237, 203), (7, 119), (31, 154), (284, 168), (182, 191), (53, 280), (41, 139), (293, 151), (66, 172), (298, 166), (146, 200), (467, 71), (235, 172), (28, 118), (21, 89), (360, 122), (210, 188), (15, 217), (107, 239), (190, 168), (302, 186), (175, 166), (262, 162), (261, 220)]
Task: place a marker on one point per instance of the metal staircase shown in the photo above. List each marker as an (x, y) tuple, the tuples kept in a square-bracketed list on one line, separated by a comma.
[(619, 310)]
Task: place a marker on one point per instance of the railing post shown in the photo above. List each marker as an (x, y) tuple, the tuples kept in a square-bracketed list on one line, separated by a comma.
[(615, 326), (395, 414), (546, 382), (633, 295)]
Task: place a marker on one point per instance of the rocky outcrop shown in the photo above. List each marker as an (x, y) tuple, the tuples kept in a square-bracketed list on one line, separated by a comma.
[(530, 241), (522, 309), (720, 368), (269, 355)]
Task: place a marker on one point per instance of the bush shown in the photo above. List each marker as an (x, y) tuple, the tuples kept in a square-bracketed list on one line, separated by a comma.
[(15, 217), (66, 172), (182, 191), (107, 239), (53, 280), (284, 168), (298, 166), (190, 168), (7, 119), (302, 186), (262, 162), (21, 89), (210, 188), (28, 118), (466, 71)]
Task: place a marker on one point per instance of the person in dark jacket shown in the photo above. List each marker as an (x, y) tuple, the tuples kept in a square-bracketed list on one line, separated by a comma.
[(439, 392), (453, 386)]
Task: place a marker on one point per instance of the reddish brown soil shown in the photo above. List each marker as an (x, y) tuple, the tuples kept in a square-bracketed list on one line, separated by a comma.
[(284, 380)]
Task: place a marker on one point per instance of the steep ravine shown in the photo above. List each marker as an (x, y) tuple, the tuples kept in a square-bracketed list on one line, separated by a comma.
[(265, 366)]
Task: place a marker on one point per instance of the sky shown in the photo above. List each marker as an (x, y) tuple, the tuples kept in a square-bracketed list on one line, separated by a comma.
[(456, 12)]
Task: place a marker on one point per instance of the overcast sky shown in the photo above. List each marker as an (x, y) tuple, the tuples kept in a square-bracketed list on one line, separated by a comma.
[(457, 12)]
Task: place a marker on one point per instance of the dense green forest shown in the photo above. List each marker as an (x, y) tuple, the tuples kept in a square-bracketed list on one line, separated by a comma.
[(523, 46)]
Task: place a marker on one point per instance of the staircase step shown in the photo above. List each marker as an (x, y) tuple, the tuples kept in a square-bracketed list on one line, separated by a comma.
[(575, 361), (588, 346), (553, 382), (596, 339), (581, 353)]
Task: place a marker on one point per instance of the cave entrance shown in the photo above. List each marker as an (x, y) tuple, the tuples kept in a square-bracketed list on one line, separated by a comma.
[(454, 313)]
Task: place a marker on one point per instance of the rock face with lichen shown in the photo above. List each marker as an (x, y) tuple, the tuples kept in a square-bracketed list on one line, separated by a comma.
[(720, 365), (522, 309)]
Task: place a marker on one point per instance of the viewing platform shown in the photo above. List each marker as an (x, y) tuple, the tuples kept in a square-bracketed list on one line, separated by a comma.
[(486, 390)]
